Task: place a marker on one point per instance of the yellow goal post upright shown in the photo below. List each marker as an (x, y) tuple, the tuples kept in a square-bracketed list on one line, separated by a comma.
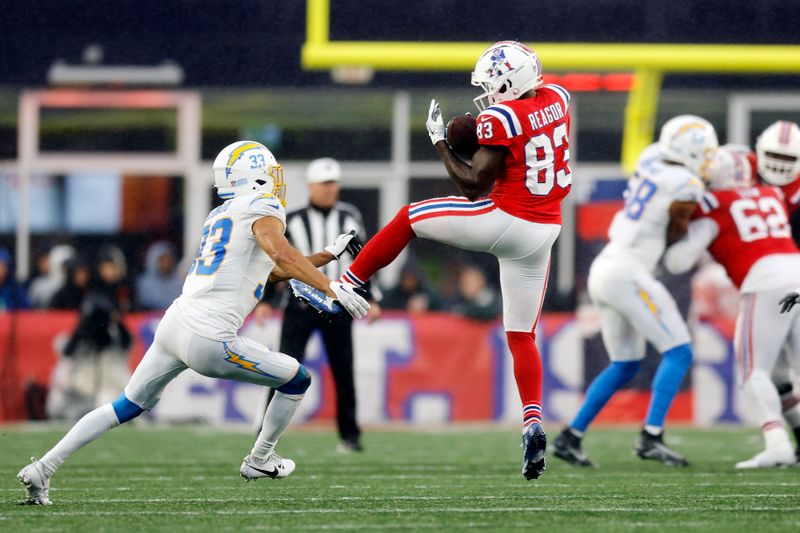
[(648, 62)]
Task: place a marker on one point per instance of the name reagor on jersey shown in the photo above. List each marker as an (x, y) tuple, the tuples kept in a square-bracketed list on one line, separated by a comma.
[(226, 279), (535, 130), (547, 115)]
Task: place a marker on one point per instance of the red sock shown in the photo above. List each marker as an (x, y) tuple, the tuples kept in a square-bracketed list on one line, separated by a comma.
[(528, 373), (380, 250)]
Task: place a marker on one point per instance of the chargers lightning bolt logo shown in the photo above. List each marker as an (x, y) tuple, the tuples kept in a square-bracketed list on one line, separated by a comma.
[(243, 362)]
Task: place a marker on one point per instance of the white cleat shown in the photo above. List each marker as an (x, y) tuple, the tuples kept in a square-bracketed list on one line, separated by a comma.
[(275, 467), (770, 458), (37, 484)]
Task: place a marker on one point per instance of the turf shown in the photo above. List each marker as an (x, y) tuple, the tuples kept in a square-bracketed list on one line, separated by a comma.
[(174, 479)]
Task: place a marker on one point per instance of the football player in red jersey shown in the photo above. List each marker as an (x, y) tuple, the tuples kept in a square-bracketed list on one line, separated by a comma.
[(524, 153), (746, 229), (777, 160)]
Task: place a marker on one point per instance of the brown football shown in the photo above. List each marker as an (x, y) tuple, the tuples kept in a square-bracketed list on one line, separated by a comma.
[(462, 136)]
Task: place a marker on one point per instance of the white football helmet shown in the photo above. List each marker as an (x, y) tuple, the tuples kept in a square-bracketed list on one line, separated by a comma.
[(690, 141), (245, 167), (506, 71), (778, 153), (730, 168)]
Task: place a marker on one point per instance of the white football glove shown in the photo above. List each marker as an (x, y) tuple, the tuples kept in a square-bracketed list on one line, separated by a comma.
[(352, 302), (346, 242), (435, 124)]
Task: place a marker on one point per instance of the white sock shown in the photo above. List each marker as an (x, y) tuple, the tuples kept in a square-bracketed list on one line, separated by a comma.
[(768, 402), (85, 430), (776, 436), (654, 430), (279, 413)]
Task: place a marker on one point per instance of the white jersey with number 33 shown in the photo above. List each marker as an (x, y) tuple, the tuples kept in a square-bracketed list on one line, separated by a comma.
[(226, 279), (638, 232)]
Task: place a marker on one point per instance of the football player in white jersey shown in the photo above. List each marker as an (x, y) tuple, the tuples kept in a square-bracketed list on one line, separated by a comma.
[(634, 307), (243, 244)]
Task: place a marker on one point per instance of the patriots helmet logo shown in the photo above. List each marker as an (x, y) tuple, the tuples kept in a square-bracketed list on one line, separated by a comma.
[(499, 61)]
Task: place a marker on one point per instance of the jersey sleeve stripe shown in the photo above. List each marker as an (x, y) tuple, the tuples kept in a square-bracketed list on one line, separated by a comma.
[(708, 203), (795, 197), (503, 116), (560, 91), (509, 113)]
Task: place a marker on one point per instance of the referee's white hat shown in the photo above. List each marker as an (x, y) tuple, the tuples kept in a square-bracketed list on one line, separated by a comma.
[(323, 170)]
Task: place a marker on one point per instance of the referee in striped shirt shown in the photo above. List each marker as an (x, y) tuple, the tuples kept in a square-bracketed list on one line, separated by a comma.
[(310, 229)]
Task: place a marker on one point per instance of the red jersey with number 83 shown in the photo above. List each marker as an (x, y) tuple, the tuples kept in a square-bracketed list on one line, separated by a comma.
[(536, 132), (753, 223)]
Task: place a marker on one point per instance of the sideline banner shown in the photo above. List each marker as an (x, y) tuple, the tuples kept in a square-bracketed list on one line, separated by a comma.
[(428, 368)]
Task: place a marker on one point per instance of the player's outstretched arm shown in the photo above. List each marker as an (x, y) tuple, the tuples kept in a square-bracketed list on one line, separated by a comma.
[(487, 163), (680, 215), (269, 235), (346, 242), (293, 264)]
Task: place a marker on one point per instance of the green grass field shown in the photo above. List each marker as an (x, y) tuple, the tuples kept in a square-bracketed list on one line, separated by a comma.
[(177, 479)]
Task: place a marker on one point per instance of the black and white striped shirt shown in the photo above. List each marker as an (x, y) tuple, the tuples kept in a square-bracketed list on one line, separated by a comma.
[(310, 229)]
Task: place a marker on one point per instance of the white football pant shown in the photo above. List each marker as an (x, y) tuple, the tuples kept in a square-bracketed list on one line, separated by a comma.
[(521, 247), (762, 331), (175, 349), (634, 307)]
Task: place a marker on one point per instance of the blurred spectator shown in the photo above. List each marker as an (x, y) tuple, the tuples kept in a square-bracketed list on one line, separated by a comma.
[(411, 293), (111, 271), (51, 276), (94, 363), (12, 294), (476, 299), (161, 282), (75, 287)]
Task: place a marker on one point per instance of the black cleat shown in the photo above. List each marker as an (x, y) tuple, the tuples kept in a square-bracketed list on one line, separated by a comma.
[(567, 446), (534, 444), (652, 447)]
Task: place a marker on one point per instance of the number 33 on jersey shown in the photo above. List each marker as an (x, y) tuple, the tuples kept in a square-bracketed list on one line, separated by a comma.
[(536, 132), (226, 279)]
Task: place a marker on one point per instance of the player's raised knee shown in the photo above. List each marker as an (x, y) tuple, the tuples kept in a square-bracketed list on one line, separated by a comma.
[(298, 384), (125, 409)]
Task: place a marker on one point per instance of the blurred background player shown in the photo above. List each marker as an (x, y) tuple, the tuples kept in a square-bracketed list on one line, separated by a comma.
[(746, 229), (777, 160), (518, 222), (308, 229), (634, 307), (199, 330)]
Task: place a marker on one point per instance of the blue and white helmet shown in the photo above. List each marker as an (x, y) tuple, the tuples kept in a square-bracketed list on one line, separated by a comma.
[(690, 141), (245, 167)]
